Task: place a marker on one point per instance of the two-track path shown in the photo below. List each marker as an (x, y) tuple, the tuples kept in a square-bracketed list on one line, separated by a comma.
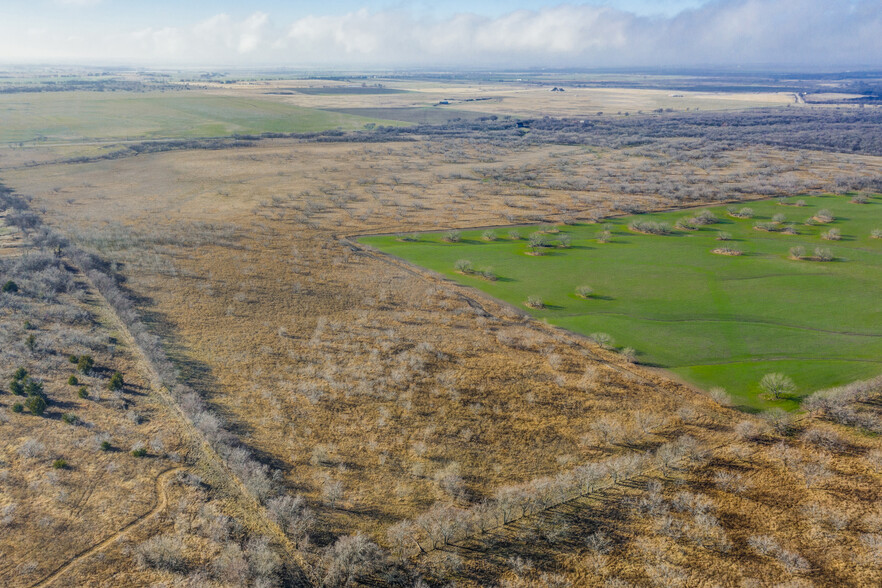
[(160, 502)]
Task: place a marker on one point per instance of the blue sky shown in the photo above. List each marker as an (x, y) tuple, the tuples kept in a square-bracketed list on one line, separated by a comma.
[(144, 11), (489, 33)]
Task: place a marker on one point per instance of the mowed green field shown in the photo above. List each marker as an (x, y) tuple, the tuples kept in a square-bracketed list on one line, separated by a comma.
[(83, 116), (714, 320)]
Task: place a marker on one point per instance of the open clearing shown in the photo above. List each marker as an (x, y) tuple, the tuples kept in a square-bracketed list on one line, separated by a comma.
[(715, 320)]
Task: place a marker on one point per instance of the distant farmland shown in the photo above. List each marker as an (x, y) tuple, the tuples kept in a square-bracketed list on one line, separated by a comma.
[(81, 116), (421, 115), (713, 319)]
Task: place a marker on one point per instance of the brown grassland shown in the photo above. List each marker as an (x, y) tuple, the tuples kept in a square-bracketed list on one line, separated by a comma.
[(396, 404), (511, 98)]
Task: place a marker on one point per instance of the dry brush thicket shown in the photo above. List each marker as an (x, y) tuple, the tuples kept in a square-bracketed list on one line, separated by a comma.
[(396, 427)]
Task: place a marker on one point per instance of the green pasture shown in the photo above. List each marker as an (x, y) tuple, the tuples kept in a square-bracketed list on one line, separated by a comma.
[(713, 320), (84, 116)]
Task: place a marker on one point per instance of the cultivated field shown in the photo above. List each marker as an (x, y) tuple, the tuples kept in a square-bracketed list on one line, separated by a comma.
[(518, 99), (761, 304), (65, 117)]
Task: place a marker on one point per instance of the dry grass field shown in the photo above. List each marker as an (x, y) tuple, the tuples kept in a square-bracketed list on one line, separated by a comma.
[(417, 412), (513, 99), (68, 478)]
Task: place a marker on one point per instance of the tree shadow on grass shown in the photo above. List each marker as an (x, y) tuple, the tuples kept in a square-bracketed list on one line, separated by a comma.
[(503, 280), (544, 252), (747, 408)]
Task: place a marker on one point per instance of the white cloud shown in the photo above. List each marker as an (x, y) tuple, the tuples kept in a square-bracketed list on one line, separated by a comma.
[(736, 32), (79, 2)]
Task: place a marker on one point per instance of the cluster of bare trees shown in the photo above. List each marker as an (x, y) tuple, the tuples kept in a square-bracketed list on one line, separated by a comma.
[(853, 404), (240, 560), (47, 277), (444, 524)]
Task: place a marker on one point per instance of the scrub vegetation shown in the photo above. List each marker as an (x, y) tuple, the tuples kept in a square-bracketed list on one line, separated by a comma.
[(207, 380)]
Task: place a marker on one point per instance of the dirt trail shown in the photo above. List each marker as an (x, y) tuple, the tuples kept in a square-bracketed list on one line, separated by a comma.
[(160, 501), (254, 512)]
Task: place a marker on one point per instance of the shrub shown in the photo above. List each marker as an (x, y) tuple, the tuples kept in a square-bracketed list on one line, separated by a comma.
[(31, 449), (779, 218), (766, 226), (10, 287), (409, 238), (797, 252), (604, 236), (799, 203), (17, 388), (18, 407), (36, 405), (139, 452), (537, 240), (551, 230), (860, 199), (70, 418), (164, 552), (584, 291), (349, 558), (82, 392), (823, 254), (629, 354), (535, 302), (603, 339), (832, 235), (744, 212), (73, 381), (106, 446), (293, 515), (724, 236), (876, 234), (31, 342), (33, 387), (116, 382), (85, 363), (489, 235), (720, 396), (74, 359), (20, 374), (825, 215), (488, 274), (59, 464), (463, 266), (514, 235), (777, 385), (564, 241), (687, 224), (705, 217), (650, 227), (734, 251), (452, 236)]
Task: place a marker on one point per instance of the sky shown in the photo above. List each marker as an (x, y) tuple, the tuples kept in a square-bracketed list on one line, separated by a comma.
[(433, 34)]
